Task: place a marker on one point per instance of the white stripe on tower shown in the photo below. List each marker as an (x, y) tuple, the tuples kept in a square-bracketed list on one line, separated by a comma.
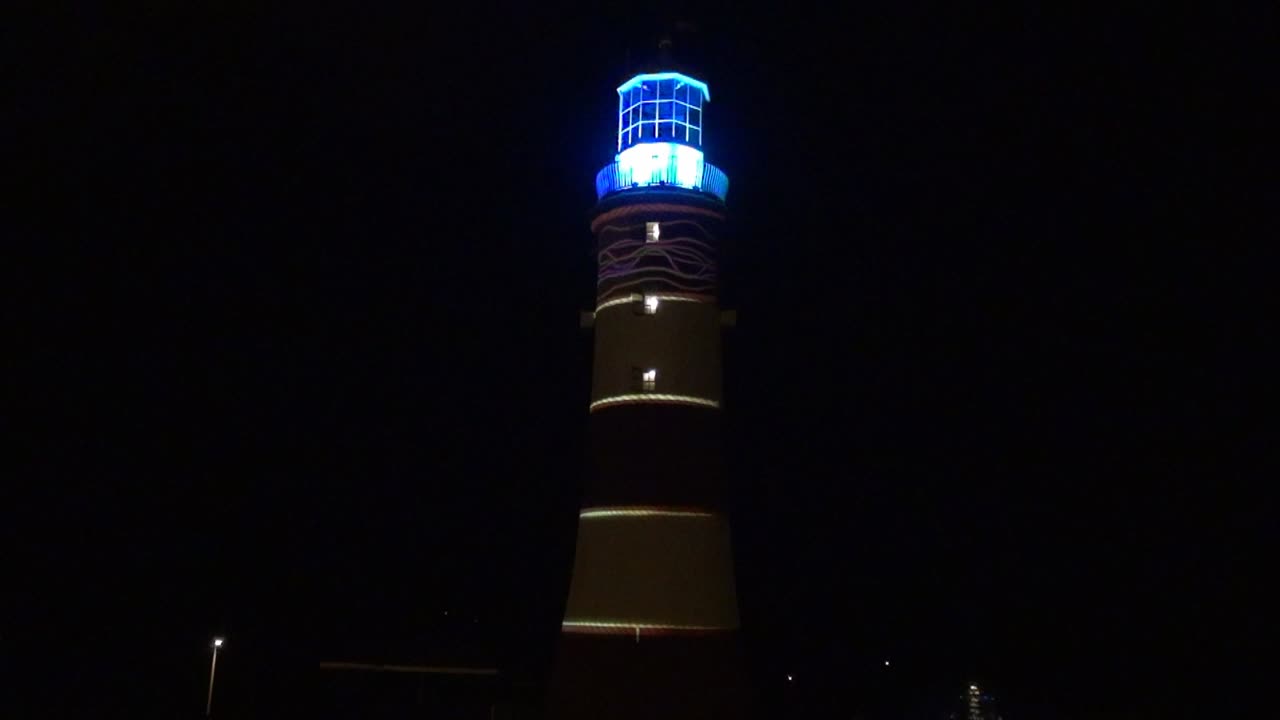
[(641, 511), (652, 399), (662, 297)]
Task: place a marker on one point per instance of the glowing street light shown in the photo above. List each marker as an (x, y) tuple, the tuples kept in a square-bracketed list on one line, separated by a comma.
[(208, 706)]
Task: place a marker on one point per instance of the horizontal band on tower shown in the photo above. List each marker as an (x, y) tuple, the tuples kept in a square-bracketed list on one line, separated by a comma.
[(611, 627), (662, 297), (641, 511), (652, 399), (664, 569)]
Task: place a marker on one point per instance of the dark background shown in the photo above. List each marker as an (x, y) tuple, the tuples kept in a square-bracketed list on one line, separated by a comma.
[(298, 361)]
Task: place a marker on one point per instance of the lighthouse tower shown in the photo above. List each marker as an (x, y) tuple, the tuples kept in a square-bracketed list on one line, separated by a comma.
[(651, 624)]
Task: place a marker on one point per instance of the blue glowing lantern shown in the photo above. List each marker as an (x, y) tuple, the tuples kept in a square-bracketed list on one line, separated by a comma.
[(660, 137)]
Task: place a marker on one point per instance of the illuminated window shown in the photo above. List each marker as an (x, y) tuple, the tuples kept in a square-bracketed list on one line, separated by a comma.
[(649, 380), (652, 231), (650, 304)]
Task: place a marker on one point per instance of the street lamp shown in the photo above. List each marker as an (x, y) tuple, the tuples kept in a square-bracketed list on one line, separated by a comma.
[(208, 707)]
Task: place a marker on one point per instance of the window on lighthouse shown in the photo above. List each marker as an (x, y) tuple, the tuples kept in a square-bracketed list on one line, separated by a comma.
[(652, 231), (649, 380)]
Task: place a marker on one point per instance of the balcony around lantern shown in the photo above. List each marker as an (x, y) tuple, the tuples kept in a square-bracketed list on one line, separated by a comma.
[(670, 165)]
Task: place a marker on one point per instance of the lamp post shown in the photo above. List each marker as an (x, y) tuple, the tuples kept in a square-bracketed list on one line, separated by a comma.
[(208, 707)]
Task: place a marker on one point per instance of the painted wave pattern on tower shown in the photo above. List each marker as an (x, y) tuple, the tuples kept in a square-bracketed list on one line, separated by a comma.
[(680, 264)]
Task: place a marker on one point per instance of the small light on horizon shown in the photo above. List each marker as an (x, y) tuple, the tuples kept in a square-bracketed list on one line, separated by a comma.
[(886, 663), (789, 678), (217, 642)]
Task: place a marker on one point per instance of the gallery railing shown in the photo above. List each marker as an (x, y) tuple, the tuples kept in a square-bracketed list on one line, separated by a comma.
[(612, 179)]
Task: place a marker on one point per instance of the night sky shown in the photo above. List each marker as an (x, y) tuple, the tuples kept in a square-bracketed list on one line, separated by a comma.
[(298, 360)]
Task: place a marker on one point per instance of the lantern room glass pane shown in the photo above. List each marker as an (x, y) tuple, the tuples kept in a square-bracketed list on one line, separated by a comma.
[(660, 106)]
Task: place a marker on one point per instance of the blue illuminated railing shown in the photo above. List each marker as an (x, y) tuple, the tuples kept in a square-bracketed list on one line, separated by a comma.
[(612, 179)]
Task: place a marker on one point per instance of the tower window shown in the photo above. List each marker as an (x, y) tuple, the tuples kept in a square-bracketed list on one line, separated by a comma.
[(650, 304), (652, 231), (649, 380)]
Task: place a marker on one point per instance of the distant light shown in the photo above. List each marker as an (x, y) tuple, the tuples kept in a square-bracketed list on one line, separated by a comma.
[(789, 678), (217, 642), (973, 687), (886, 663), (651, 304)]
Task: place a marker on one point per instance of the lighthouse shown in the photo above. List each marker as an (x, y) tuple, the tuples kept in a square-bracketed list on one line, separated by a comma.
[(651, 623)]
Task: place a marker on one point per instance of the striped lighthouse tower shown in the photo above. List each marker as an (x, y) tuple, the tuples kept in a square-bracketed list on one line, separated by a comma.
[(651, 624)]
